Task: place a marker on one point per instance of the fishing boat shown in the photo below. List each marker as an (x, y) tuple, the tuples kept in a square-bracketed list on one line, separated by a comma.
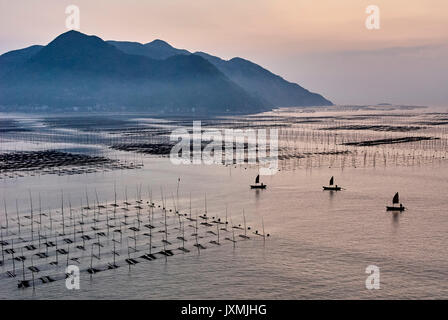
[(331, 186), (257, 184), (396, 200)]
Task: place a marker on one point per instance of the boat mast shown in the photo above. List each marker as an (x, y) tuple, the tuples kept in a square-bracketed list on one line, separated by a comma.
[(62, 212), (32, 216), (196, 227), (205, 204), (190, 205), (18, 216), (245, 229), (6, 215)]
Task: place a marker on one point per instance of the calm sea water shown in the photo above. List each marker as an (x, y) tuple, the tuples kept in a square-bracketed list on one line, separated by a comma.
[(320, 244)]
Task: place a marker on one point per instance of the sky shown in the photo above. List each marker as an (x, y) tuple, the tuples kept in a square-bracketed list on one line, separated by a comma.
[(323, 45)]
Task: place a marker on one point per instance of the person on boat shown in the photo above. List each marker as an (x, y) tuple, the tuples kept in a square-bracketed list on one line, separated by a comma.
[(401, 206)]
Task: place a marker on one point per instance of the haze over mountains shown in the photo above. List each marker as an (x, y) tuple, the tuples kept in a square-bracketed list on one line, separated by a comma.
[(80, 72)]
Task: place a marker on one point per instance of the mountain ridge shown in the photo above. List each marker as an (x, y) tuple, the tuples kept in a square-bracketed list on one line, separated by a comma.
[(77, 70), (273, 89)]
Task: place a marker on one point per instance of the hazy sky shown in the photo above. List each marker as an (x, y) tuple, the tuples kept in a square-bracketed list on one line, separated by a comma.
[(321, 44)]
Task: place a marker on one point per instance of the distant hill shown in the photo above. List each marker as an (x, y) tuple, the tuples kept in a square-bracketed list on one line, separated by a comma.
[(87, 73), (157, 49), (76, 70), (13, 59), (272, 89)]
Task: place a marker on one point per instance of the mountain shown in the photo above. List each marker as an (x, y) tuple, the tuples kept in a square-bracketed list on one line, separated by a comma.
[(157, 49), (12, 59), (272, 89), (76, 70)]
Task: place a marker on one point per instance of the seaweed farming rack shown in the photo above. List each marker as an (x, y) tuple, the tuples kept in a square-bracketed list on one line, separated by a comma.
[(38, 245)]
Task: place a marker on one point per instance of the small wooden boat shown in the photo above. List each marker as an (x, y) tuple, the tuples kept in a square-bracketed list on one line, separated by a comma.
[(257, 184), (331, 186), (388, 208), (335, 188), (396, 200)]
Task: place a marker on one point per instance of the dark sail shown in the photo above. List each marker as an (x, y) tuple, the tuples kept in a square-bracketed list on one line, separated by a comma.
[(396, 199), (257, 179), (331, 181)]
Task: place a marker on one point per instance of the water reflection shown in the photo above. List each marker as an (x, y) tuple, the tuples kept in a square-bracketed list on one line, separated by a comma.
[(257, 194), (396, 218)]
